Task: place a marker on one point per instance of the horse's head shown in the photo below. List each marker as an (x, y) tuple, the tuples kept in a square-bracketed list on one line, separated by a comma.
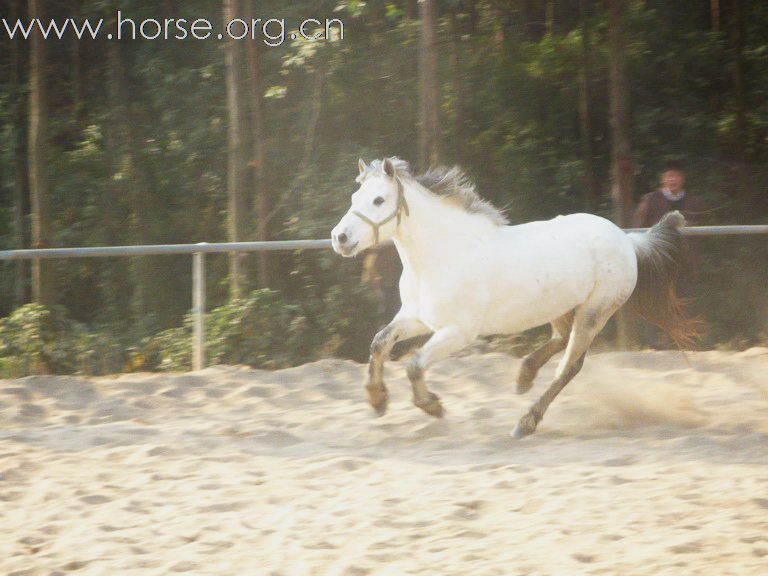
[(376, 210)]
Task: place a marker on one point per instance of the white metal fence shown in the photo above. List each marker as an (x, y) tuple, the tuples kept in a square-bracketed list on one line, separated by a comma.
[(198, 252)]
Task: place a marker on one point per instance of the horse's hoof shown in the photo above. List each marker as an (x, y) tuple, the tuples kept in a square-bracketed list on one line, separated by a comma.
[(432, 406), (380, 409), (525, 380), (378, 399), (525, 427)]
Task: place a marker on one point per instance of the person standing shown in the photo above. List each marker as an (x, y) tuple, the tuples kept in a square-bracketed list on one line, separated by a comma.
[(672, 195)]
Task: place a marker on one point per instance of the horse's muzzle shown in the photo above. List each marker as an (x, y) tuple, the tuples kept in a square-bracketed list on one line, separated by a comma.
[(342, 245), (348, 251)]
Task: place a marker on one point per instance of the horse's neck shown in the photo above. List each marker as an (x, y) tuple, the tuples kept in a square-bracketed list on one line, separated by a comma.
[(435, 233)]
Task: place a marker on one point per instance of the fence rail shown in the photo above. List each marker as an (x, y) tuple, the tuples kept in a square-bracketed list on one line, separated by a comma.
[(163, 249), (198, 251)]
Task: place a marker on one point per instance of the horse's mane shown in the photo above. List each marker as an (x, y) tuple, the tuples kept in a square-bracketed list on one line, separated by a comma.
[(452, 184)]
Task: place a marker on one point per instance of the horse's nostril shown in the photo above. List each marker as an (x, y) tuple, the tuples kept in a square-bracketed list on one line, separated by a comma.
[(342, 238)]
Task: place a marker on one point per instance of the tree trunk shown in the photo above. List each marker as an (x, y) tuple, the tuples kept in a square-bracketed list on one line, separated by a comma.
[(530, 23), (378, 55), (429, 123), (474, 16), (42, 270), (259, 180), (458, 88), (549, 17), (741, 136), (77, 78), (411, 9), (591, 193), (714, 13), (622, 171), (115, 276), (621, 159), (737, 35), (20, 165), (314, 117), (125, 146), (237, 154)]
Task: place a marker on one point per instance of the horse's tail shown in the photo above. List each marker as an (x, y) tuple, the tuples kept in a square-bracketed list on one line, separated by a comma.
[(659, 252)]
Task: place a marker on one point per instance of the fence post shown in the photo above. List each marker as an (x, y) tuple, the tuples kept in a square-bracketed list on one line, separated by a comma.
[(198, 310)]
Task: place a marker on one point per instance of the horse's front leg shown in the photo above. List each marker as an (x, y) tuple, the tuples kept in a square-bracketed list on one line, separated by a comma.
[(443, 343), (401, 328)]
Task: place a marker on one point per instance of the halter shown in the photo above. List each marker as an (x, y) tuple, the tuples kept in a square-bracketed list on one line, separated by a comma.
[(402, 205)]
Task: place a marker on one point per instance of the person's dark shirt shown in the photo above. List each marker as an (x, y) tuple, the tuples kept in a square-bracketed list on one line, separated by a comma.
[(652, 208), (654, 205)]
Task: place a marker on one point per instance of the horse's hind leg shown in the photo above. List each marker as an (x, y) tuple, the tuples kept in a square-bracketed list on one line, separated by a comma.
[(402, 347), (399, 329), (586, 325), (443, 343), (561, 329)]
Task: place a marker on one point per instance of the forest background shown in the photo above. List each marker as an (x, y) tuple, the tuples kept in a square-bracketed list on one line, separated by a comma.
[(552, 107)]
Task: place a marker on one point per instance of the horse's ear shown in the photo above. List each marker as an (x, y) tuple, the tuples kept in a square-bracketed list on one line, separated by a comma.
[(361, 166), (389, 168)]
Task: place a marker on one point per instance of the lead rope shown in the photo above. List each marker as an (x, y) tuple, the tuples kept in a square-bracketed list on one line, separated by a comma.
[(402, 206)]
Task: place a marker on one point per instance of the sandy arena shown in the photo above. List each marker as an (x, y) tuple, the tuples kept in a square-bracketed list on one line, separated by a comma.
[(644, 465)]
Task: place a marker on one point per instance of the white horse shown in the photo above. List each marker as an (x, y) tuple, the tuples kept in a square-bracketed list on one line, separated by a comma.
[(467, 273)]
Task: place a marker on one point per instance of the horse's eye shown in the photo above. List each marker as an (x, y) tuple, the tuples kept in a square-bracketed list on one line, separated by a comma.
[(378, 201)]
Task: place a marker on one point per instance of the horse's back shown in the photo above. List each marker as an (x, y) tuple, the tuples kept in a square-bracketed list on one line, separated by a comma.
[(582, 225), (545, 269), (522, 276), (585, 237)]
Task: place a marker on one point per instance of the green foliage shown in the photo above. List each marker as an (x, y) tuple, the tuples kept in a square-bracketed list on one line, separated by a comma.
[(509, 115), (265, 331), (36, 340)]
